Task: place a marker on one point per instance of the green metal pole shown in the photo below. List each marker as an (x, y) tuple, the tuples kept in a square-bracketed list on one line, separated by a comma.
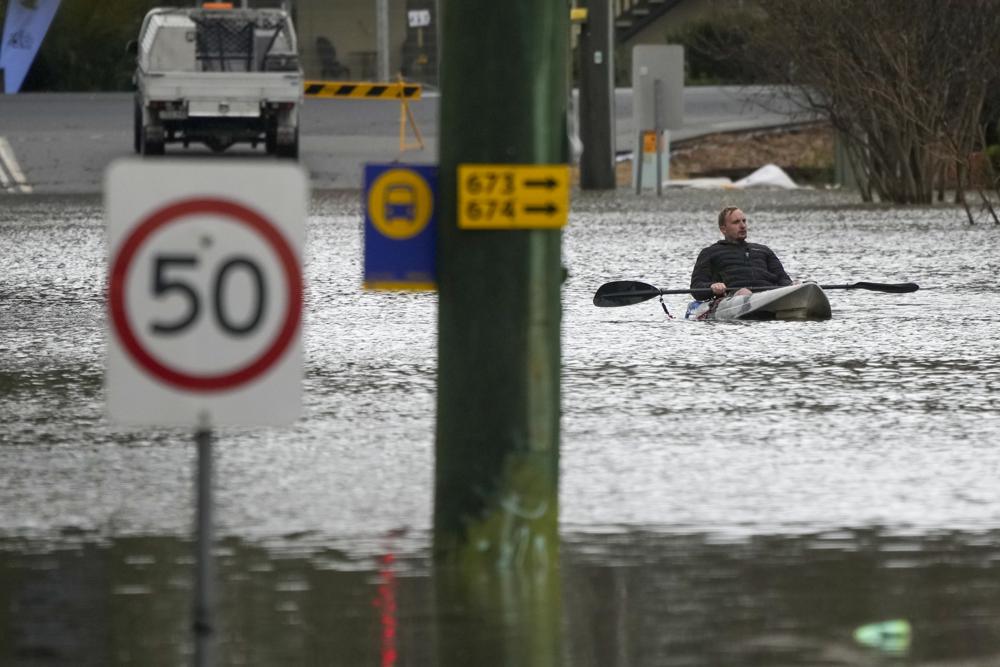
[(597, 97), (504, 88), (503, 101)]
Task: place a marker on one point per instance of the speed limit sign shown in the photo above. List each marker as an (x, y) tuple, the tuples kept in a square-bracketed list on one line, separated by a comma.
[(204, 292)]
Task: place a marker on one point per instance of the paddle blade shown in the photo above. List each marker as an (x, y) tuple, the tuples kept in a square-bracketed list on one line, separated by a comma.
[(894, 288), (623, 293)]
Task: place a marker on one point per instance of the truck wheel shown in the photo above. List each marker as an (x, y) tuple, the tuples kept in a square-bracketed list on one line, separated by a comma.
[(271, 142), (291, 149), (151, 147)]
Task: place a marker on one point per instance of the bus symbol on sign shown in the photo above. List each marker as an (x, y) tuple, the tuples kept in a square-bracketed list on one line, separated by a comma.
[(401, 203)]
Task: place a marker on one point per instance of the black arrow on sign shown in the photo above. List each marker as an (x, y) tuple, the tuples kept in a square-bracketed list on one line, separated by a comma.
[(548, 183), (550, 209)]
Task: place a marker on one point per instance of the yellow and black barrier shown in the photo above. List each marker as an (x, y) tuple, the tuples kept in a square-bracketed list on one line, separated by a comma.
[(374, 90), (363, 90)]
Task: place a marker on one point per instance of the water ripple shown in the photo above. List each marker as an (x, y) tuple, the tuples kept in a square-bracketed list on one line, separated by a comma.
[(885, 415)]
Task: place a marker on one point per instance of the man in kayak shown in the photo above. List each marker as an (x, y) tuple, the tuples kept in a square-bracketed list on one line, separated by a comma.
[(733, 262)]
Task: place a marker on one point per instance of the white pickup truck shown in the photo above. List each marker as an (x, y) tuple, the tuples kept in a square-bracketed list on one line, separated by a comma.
[(217, 75)]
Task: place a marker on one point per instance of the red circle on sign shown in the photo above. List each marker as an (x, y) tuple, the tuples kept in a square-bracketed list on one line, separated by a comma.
[(242, 215)]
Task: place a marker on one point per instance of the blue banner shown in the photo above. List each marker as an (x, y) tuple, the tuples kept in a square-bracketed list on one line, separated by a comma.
[(23, 31)]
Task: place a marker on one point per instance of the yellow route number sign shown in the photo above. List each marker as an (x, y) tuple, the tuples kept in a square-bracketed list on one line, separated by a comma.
[(513, 196)]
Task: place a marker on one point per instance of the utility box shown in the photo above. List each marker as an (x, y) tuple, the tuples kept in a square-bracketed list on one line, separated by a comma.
[(657, 106)]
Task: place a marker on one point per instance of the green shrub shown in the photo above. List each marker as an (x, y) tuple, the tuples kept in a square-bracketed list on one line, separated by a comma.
[(993, 154), (716, 50)]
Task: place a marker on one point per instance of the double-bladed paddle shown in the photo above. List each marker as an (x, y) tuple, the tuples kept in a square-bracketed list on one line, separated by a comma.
[(628, 292)]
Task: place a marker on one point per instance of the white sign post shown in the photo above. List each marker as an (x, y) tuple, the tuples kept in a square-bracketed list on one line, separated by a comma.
[(204, 311)]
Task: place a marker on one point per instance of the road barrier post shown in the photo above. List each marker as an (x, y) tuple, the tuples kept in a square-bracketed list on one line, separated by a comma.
[(376, 90)]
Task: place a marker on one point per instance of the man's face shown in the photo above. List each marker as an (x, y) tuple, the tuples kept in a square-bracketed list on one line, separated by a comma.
[(735, 227)]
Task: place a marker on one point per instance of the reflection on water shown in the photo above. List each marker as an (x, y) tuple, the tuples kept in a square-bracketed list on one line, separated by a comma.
[(731, 493), (630, 598)]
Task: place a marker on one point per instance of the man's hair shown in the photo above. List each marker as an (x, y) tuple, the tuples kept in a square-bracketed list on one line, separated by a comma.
[(724, 213)]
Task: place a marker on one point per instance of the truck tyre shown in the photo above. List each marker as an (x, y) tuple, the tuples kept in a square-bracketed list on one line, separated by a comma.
[(290, 149), (149, 146)]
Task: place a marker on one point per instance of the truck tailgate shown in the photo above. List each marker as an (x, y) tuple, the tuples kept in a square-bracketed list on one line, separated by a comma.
[(236, 88)]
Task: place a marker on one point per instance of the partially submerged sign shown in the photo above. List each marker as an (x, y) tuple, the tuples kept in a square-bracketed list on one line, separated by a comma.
[(204, 292), (400, 227)]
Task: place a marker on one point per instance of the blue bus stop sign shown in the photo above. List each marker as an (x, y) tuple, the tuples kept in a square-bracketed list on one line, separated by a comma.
[(400, 227)]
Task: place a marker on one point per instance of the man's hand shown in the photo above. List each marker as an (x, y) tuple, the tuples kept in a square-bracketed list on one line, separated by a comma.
[(719, 289)]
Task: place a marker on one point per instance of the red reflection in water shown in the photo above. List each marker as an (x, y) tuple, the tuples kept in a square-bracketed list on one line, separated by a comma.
[(385, 601)]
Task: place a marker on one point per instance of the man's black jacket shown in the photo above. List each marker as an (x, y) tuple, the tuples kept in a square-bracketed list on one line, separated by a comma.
[(739, 264)]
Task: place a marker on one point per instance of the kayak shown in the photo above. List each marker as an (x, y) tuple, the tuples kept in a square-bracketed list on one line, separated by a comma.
[(806, 301)]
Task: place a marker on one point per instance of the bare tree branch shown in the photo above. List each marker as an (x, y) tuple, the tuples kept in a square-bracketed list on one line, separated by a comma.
[(908, 84)]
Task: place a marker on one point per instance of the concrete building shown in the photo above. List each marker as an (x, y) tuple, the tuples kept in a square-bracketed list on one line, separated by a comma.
[(339, 38)]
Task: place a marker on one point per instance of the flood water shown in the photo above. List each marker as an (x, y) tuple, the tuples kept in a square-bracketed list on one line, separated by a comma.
[(731, 493)]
